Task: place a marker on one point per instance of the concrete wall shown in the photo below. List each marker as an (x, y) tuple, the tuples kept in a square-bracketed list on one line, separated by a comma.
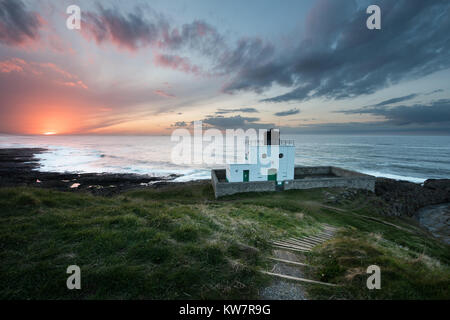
[(226, 188), (344, 178), (312, 183)]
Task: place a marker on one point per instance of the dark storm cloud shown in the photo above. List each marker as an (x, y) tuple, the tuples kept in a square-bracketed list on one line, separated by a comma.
[(380, 127), (396, 100), (180, 124), (434, 91), (243, 110), (143, 27), (248, 53), (234, 122), (287, 113), (340, 58), (17, 25), (434, 112), (130, 31)]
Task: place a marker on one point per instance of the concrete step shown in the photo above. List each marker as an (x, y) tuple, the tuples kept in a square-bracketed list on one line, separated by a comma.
[(286, 244), (288, 248), (298, 243), (313, 243), (327, 234), (326, 238), (317, 238), (312, 240)]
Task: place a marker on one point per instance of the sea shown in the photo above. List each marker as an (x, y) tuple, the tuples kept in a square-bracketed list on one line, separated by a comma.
[(411, 158)]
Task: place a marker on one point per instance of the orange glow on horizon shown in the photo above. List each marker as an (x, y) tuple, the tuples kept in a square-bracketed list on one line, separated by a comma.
[(49, 133)]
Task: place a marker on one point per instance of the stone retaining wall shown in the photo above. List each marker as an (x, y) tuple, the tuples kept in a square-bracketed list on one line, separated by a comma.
[(327, 177)]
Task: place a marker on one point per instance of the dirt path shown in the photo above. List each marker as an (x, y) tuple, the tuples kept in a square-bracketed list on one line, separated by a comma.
[(290, 270)]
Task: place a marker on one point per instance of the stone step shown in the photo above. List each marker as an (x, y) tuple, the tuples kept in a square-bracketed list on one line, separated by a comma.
[(326, 238), (285, 244), (317, 238), (297, 279), (313, 240), (298, 243), (291, 249), (310, 243), (326, 234), (313, 243)]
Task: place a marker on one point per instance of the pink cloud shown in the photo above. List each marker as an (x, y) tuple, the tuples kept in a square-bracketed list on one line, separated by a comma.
[(164, 94), (75, 84), (47, 69), (176, 63), (12, 65)]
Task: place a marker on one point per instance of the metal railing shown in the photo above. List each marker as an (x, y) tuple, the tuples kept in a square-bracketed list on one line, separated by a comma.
[(261, 143), (287, 142)]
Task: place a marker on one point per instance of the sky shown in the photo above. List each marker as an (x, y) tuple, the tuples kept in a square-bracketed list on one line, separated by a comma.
[(150, 67)]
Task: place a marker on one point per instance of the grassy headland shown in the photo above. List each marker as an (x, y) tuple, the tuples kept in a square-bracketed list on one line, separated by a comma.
[(181, 243)]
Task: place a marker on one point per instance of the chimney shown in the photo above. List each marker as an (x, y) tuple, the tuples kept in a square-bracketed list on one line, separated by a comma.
[(272, 137)]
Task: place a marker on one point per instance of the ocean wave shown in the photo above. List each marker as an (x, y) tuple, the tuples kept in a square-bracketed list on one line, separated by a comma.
[(393, 176)]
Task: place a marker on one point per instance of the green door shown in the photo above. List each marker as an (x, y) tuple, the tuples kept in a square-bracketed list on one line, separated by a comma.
[(246, 175), (272, 175)]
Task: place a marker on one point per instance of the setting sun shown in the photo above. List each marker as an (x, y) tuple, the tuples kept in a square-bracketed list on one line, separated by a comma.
[(50, 133)]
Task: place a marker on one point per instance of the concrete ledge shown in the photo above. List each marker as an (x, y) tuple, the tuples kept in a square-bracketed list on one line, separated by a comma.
[(305, 178)]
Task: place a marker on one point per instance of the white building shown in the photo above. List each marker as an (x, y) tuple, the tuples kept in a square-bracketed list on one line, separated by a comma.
[(272, 159)]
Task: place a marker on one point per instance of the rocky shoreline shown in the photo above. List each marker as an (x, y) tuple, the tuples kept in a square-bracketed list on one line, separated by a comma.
[(18, 167), (405, 198)]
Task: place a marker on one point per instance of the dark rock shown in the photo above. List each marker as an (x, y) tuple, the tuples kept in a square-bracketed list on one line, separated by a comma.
[(405, 198), (18, 167), (436, 219), (437, 184)]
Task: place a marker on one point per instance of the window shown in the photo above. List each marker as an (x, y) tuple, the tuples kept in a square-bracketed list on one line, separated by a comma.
[(281, 155)]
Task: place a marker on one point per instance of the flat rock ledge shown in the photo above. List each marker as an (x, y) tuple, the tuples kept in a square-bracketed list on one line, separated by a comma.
[(19, 167)]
